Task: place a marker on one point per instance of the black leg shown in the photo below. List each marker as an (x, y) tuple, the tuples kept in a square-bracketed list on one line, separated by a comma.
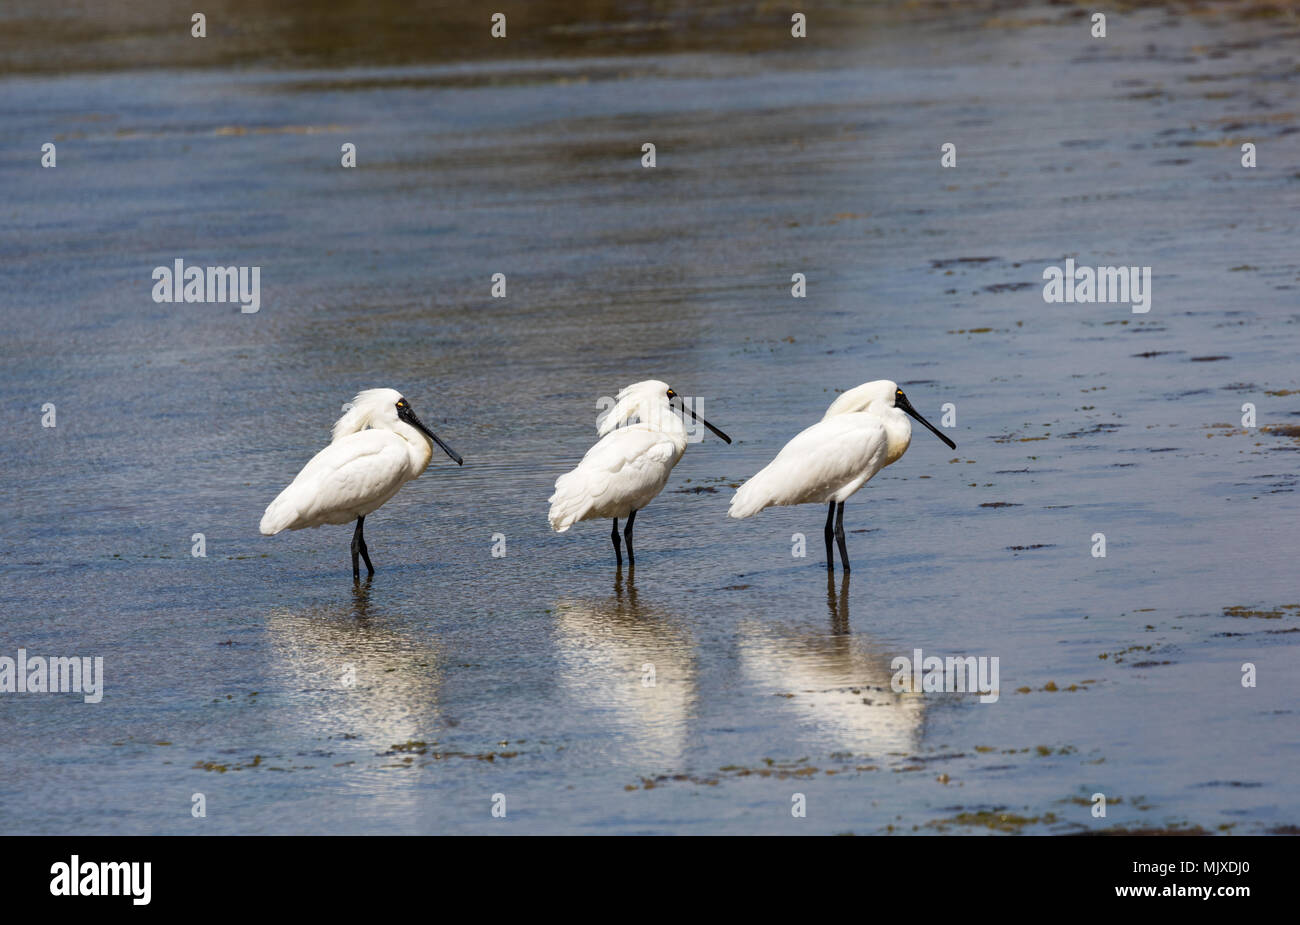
[(365, 557), (839, 535), (618, 552), (359, 546), (627, 535), (356, 549), (830, 535)]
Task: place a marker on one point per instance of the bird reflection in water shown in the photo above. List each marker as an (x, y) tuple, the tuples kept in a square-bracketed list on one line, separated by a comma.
[(840, 682), (346, 677), (629, 669), (361, 601), (838, 603), (630, 600)]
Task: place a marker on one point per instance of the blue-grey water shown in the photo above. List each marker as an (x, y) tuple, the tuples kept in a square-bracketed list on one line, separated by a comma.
[(521, 675)]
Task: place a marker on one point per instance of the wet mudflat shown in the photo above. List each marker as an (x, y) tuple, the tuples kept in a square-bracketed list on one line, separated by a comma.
[(232, 675)]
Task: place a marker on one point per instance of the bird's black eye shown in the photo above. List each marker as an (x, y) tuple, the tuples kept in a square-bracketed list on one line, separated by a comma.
[(672, 394), (401, 403)]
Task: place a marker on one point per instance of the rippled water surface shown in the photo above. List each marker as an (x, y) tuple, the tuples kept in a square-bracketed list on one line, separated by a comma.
[(523, 675)]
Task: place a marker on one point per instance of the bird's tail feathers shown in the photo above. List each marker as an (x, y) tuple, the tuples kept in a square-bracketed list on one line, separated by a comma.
[(278, 516), (284, 513), (750, 498), (569, 503)]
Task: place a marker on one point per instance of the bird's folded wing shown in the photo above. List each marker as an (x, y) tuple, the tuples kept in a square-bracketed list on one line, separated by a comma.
[(627, 452), (817, 462), (353, 472), (627, 461)]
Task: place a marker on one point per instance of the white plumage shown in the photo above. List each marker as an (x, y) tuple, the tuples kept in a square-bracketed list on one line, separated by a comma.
[(862, 432), (378, 446), (827, 462), (620, 474), (629, 465), (346, 480), (642, 439)]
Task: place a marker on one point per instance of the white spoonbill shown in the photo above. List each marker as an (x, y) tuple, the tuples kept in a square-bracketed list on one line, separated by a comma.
[(377, 446), (642, 438), (863, 431)]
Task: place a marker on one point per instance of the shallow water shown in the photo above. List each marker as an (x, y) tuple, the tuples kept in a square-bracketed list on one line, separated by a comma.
[(522, 675)]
